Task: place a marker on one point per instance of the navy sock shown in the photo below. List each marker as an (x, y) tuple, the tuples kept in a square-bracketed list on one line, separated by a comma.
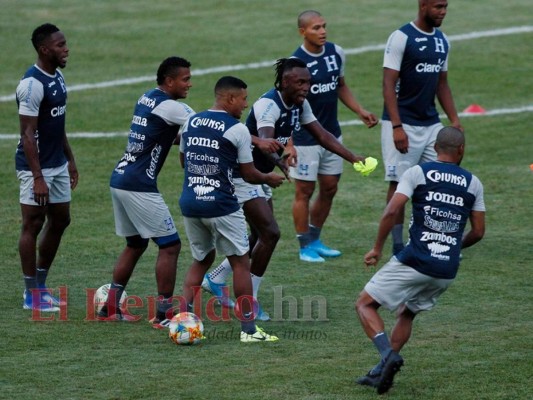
[(304, 239), (30, 283), (381, 341), (314, 232), (113, 298), (164, 304), (40, 276)]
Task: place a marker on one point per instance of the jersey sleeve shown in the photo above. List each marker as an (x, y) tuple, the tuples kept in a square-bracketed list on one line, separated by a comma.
[(307, 114), (173, 112), (410, 179), (182, 131), (30, 93), (266, 113), (242, 140), (394, 50), (476, 188), (445, 65), (342, 55)]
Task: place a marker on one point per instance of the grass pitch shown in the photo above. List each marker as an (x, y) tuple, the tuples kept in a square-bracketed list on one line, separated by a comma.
[(476, 344)]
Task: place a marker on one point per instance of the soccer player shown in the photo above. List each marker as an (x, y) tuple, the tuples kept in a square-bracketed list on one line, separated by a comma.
[(45, 164), (444, 198), (275, 116), (140, 211), (214, 146), (415, 70), (326, 61)]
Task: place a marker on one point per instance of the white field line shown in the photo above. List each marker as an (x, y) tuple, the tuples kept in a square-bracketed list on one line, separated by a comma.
[(487, 113), (265, 64)]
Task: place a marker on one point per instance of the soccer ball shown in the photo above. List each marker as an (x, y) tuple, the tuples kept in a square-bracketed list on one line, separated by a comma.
[(186, 328), (100, 297)]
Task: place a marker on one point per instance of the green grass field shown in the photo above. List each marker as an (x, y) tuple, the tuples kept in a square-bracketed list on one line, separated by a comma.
[(476, 344)]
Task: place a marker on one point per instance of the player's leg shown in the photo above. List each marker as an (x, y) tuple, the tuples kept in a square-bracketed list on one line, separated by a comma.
[(57, 220), (165, 274), (401, 332), (320, 210), (305, 176), (261, 219), (193, 278), (33, 218)]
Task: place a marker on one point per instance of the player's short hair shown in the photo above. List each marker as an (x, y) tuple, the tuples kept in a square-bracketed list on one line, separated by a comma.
[(305, 15), (448, 139), (169, 67), (229, 83), (284, 65), (41, 33)]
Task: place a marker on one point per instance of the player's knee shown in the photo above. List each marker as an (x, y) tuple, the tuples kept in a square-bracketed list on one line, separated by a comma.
[(270, 234), (170, 243), (136, 242)]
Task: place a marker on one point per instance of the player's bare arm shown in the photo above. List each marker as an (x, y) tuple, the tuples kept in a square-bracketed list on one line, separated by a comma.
[(388, 219), (477, 229), (72, 168), (390, 77), (348, 99), (329, 142), (252, 175), (445, 97), (28, 127)]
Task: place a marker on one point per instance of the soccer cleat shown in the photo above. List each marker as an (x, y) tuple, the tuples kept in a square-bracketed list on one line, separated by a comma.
[(310, 255), (393, 363), (43, 305), (323, 250), (104, 316), (219, 290), (261, 315), (259, 336), (369, 379), (47, 297), (158, 324)]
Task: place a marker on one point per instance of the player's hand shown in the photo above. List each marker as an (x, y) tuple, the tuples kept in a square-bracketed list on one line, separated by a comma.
[(366, 167), (401, 141), (290, 155), (372, 257), (40, 191), (274, 180), (368, 118), (268, 145), (73, 172)]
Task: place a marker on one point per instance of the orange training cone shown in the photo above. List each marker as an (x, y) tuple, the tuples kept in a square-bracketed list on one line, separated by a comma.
[(474, 109)]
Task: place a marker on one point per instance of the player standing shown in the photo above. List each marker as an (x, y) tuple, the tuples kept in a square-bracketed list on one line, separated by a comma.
[(140, 211), (415, 70), (445, 197), (326, 62), (214, 145), (45, 164)]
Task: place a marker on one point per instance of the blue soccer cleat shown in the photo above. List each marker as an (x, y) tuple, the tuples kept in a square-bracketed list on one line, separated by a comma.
[(219, 290), (323, 250)]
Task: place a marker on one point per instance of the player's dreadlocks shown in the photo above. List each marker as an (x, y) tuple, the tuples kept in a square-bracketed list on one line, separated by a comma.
[(284, 65)]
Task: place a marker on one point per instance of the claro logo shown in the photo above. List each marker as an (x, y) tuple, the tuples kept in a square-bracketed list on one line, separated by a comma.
[(58, 111)]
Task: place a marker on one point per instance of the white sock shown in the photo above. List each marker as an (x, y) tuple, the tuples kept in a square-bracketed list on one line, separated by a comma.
[(220, 273), (256, 282)]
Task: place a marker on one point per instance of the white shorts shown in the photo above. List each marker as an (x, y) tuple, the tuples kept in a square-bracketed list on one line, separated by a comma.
[(314, 161), (58, 182), (421, 148), (141, 213), (226, 234), (247, 191), (396, 284)]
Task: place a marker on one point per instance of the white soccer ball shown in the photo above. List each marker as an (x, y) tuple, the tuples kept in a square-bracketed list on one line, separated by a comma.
[(186, 328), (100, 297)]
